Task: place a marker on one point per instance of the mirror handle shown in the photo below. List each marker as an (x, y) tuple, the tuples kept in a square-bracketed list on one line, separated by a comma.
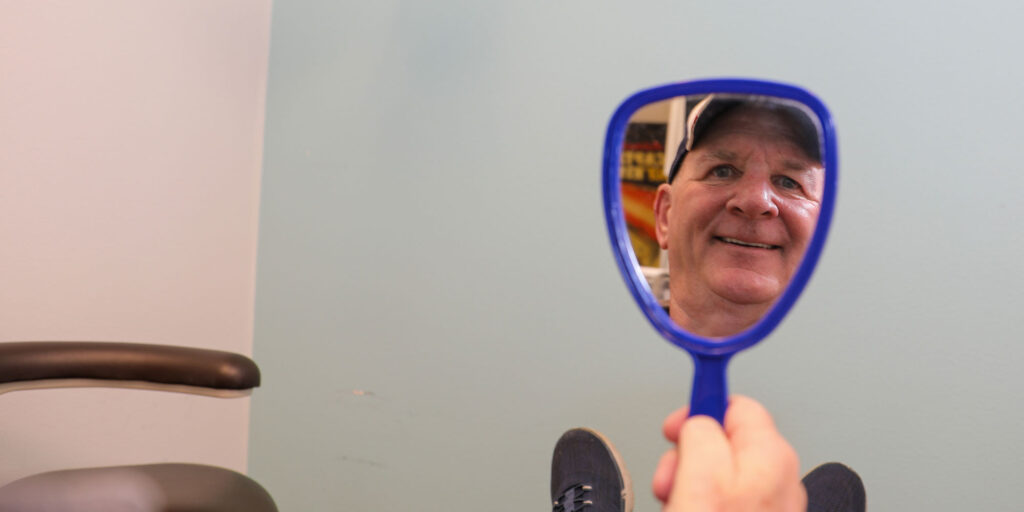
[(710, 395)]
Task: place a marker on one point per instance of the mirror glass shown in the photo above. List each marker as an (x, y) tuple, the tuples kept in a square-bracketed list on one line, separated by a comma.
[(721, 194)]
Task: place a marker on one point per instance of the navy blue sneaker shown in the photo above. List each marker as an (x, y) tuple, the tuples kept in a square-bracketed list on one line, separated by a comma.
[(834, 487), (587, 474)]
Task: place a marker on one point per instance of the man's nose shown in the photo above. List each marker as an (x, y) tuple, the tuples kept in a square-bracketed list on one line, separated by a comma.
[(754, 198)]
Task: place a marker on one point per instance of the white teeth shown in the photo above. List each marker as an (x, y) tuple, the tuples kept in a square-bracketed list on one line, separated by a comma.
[(746, 244)]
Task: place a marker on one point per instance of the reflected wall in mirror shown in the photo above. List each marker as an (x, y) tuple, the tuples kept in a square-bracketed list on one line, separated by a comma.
[(721, 194)]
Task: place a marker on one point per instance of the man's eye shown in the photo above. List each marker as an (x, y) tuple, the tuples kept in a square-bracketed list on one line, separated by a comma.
[(722, 172), (787, 183)]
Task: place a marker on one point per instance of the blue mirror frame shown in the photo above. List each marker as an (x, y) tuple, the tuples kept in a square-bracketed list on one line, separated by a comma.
[(711, 355)]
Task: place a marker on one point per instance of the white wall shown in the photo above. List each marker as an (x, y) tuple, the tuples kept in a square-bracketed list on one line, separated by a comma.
[(130, 153)]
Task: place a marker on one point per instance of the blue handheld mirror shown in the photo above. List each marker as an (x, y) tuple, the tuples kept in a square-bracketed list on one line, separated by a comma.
[(718, 196)]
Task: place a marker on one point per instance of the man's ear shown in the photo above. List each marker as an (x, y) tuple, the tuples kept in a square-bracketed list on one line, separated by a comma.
[(662, 204)]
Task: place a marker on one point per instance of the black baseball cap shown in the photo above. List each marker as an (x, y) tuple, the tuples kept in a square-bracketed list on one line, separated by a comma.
[(713, 106)]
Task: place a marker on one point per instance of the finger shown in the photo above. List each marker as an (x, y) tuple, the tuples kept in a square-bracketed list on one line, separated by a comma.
[(765, 460), (705, 463), (665, 475), (771, 463), (746, 421), (796, 497), (674, 422), (753, 435)]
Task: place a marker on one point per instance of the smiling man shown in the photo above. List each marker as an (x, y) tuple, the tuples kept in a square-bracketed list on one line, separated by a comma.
[(738, 211)]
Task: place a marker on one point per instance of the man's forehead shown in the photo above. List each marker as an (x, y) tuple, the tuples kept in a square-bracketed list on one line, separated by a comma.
[(721, 151)]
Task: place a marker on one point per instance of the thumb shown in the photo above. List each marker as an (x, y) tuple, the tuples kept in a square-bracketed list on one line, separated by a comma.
[(705, 464)]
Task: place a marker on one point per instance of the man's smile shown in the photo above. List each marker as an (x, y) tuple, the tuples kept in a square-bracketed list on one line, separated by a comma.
[(742, 243)]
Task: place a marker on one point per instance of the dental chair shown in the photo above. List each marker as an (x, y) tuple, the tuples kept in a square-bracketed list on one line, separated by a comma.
[(141, 488)]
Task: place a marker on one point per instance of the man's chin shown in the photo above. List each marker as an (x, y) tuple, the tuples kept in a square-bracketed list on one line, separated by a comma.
[(744, 287)]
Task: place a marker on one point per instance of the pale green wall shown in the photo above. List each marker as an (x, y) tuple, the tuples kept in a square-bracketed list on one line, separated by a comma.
[(431, 235)]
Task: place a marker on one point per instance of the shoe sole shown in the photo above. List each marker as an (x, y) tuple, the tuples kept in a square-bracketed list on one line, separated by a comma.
[(627, 481)]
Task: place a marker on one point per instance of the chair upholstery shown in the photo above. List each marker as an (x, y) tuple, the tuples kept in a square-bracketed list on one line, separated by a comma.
[(144, 488)]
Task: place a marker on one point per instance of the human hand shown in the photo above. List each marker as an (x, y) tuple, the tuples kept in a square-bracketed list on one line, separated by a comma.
[(744, 467)]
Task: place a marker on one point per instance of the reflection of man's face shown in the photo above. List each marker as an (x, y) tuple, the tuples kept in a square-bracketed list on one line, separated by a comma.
[(736, 220)]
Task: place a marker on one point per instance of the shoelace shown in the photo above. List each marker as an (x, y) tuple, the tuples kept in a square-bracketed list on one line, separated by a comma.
[(572, 499)]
